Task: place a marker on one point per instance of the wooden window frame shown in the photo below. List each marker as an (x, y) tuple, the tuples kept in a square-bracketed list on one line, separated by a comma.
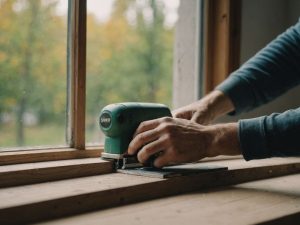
[(205, 27), (222, 31), (77, 73), (76, 93)]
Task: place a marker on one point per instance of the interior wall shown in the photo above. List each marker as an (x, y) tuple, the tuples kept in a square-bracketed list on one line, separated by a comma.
[(186, 55), (262, 21)]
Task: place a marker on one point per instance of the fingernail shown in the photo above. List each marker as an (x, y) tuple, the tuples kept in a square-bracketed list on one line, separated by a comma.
[(129, 151)]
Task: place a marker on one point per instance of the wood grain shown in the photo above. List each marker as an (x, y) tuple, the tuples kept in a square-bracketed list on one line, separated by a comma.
[(61, 198), (248, 203), (42, 155), (222, 51), (31, 173), (77, 74)]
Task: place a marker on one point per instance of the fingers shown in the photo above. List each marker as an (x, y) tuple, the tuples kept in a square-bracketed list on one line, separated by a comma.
[(147, 131), (200, 118), (149, 139), (183, 114), (161, 161), (196, 117), (142, 139), (147, 125), (150, 149)]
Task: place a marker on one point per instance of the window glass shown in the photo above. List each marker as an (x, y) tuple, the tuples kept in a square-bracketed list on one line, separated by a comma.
[(129, 55), (33, 36)]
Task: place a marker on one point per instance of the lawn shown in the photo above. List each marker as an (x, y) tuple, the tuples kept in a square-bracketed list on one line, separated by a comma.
[(43, 135), (40, 135)]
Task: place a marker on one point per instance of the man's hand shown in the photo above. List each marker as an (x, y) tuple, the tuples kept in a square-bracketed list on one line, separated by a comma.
[(180, 141), (206, 109)]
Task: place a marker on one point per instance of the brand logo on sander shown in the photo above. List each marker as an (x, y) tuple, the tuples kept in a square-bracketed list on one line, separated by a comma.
[(105, 120)]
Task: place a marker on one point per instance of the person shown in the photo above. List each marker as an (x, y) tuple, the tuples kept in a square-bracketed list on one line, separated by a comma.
[(189, 136)]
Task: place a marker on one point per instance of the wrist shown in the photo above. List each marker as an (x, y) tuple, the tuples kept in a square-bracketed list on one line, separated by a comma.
[(217, 104), (224, 140)]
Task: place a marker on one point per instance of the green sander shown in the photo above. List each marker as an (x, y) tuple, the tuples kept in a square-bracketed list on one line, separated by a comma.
[(119, 122)]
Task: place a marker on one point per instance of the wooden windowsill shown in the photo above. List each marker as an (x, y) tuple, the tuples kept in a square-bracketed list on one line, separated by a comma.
[(30, 173), (54, 199), (269, 201), (49, 154)]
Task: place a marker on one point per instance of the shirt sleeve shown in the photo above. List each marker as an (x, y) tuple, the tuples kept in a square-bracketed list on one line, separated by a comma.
[(270, 73), (270, 136)]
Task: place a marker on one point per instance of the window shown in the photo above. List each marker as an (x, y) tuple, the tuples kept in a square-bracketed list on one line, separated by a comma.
[(129, 55), (52, 52), (111, 51), (33, 42)]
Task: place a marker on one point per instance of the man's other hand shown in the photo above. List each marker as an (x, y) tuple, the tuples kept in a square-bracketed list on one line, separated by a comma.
[(206, 109)]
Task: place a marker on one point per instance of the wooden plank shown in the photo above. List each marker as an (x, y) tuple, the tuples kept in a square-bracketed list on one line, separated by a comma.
[(31, 173), (248, 203), (16, 157), (222, 51), (77, 74), (61, 198), (291, 219)]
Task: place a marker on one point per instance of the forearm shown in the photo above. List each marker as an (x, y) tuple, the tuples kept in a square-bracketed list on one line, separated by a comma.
[(270, 73)]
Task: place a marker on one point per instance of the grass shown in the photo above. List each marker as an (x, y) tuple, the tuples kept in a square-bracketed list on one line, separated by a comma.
[(41, 135)]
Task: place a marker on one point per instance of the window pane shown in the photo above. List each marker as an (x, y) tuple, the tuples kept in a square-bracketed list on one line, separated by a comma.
[(129, 54), (33, 36)]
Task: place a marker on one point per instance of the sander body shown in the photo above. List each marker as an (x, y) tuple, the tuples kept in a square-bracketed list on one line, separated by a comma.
[(119, 122)]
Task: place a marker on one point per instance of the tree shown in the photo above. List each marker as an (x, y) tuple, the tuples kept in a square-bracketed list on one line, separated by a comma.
[(32, 43), (128, 60)]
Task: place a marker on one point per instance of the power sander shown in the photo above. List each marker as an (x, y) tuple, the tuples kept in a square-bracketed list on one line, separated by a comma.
[(119, 122)]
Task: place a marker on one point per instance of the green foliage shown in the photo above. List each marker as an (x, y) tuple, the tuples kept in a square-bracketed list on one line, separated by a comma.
[(126, 61), (133, 61), (32, 62)]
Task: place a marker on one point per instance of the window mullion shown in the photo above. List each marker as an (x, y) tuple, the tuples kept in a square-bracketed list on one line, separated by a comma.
[(76, 74)]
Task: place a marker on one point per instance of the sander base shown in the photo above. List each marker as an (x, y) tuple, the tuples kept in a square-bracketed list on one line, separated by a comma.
[(173, 171)]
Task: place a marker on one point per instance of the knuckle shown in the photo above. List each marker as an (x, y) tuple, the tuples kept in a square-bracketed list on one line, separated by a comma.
[(167, 119), (141, 137), (147, 150), (170, 136), (167, 139), (142, 125), (166, 127), (141, 157)]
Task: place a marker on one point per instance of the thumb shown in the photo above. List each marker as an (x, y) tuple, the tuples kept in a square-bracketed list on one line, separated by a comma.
[(182, 114), (200, 118)]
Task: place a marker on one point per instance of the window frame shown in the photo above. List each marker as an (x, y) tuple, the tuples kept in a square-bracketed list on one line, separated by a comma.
[(76, 92), (205, 27), (222, 31), (77, 19)]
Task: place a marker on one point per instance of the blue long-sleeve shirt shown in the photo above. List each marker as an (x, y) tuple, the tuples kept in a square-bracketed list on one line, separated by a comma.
[(270, 73)]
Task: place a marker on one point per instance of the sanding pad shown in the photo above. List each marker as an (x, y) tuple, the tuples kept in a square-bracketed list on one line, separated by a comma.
[(172, 171)]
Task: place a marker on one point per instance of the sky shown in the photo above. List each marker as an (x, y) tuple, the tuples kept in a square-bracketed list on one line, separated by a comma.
[(102, 9)]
